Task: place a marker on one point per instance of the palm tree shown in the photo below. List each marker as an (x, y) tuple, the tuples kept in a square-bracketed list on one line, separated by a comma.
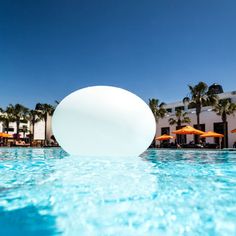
[(34, 117), (158, 110), (199, 97), (25, 130), (6, 117), (224, 108), (181, 118), (19, 113), (45, 110)]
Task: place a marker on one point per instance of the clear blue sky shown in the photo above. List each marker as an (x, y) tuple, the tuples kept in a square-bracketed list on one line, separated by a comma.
[(154, 48)]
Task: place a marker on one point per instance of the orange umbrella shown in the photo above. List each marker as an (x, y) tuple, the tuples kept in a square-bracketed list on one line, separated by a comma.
[(233, 131), (188, 130), (212, 135), (164, 137), (5, 135)]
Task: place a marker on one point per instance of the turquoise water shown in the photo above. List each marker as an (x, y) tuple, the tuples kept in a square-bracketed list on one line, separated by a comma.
[(46, 192)]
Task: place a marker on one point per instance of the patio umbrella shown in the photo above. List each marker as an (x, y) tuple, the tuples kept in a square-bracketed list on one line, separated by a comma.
[(233, 131), (164, 137), (211, 134), (5, 135), (188, 130)]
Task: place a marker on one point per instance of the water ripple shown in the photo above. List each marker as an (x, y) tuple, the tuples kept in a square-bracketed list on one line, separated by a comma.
[(163, 192)]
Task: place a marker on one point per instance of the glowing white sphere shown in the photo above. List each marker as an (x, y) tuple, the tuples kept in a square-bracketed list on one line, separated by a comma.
[(103, 121)]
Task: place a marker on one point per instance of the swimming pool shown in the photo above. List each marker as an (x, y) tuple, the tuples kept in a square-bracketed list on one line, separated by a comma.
[(46, 192)]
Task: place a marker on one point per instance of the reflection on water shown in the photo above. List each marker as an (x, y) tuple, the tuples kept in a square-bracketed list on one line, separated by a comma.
[(46, 192), (194, 156)]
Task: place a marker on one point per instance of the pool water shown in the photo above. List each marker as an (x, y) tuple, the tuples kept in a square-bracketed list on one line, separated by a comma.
[(163, 192)]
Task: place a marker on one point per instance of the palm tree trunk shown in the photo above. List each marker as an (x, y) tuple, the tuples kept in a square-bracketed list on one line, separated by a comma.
[(178, 136), (179, 123), (33, 130), (17, 129), (32, 134), (7, 126), (198, 121), (225, 134), (45, 129), (198, 126), (224, 119)]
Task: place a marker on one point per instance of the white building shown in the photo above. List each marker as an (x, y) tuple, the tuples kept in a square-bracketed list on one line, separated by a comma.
[(39, 129), (24, 128), (208, 119)]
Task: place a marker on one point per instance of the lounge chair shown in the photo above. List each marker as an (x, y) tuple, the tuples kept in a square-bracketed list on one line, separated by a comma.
[(21, 144)]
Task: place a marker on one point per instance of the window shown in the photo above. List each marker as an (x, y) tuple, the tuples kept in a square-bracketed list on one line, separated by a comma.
[(179, 108), (219, 128), (165, 130), (10, 129), (169, 110), (191, 106)]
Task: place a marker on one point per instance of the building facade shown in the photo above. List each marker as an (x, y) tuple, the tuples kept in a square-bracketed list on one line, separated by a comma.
[(209, 120), (26, 128)]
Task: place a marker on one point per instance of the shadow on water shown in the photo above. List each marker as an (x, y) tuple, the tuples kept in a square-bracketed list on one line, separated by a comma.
[(27, 221), (21, 170)]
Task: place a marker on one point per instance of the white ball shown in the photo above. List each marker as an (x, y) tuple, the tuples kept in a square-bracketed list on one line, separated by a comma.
[(103, 121)]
